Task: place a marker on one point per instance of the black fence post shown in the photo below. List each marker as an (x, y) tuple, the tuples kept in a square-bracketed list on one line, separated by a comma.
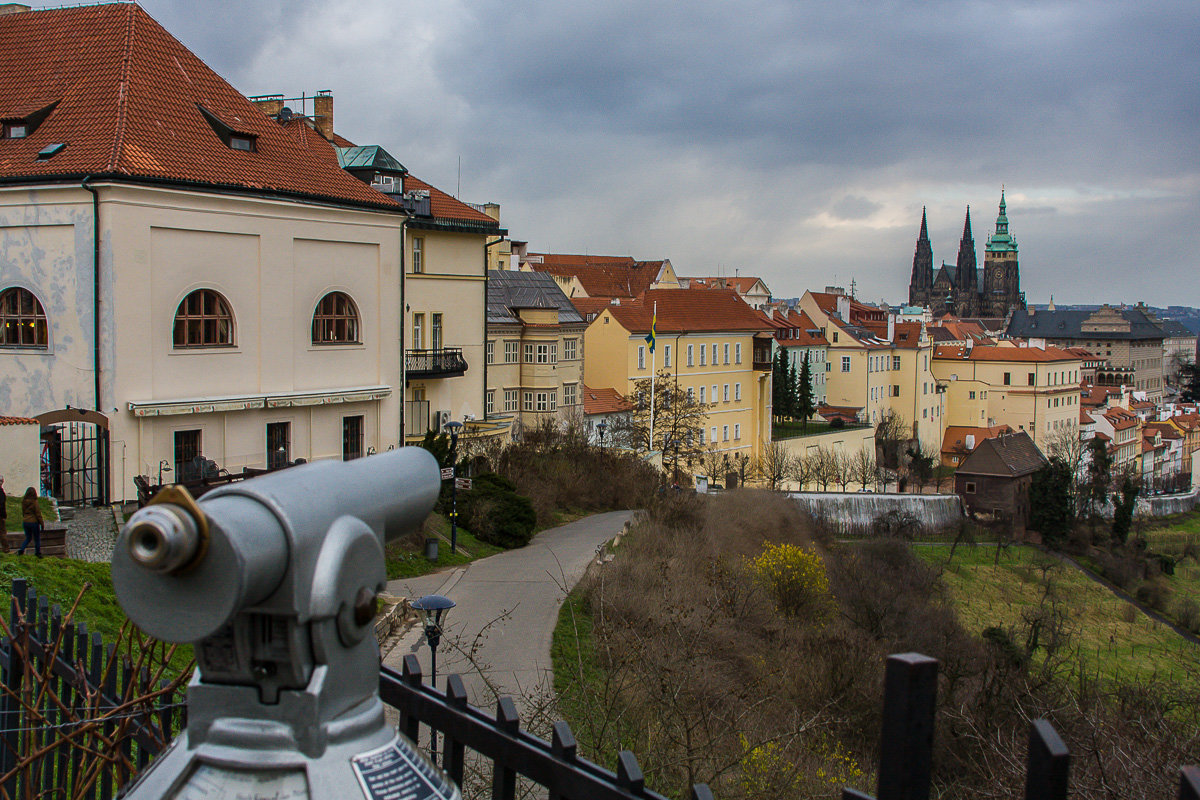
[(1049, 763), (629, 774), (409, 724), (453, 750), (906, 742), (700, 791), (564, 748), (504, 779)]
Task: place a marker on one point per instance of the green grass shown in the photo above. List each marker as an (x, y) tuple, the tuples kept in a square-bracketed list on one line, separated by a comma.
[(1109, 639), (405, 562), (13, 508), (60, 579)]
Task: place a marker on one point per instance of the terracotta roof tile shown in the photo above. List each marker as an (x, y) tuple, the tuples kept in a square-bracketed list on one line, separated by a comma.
[(1008, 354), (601, 276), (604, 401), (128, 104), (687, 311), (18, 421)]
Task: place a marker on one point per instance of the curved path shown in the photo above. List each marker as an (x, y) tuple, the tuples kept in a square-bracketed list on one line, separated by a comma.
[(498, 636)]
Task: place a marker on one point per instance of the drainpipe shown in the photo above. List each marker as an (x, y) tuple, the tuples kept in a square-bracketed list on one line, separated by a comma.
[(403, 364), (486, 245), (95, 287)]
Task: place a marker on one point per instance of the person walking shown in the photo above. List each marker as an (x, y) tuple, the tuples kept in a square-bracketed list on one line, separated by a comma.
[(3, 516), (31, 517)]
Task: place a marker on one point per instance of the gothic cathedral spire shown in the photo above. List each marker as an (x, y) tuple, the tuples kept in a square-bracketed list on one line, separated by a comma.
[(966, 279), (921, 284)]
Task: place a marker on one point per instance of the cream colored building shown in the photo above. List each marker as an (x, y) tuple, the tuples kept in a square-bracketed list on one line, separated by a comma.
[(535, 350), (1034, 389), (717, 347)]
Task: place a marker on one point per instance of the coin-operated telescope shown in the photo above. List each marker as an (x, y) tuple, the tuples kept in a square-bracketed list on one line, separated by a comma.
[(275, 581)]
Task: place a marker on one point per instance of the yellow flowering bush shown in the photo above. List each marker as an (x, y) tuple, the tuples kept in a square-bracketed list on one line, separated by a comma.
[(795, 577)]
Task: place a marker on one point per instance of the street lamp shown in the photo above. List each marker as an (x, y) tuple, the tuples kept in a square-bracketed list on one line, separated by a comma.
[(163, 466), (454, 428), (602, 427), (433, 608)]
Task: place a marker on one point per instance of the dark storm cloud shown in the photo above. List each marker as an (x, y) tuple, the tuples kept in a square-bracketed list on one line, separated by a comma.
[(796, 140)]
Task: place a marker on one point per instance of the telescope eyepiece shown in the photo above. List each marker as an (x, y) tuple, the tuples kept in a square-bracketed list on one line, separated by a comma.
[(163, 538)]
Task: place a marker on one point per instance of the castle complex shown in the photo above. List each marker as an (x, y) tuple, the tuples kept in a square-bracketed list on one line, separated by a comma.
[(960, 289)]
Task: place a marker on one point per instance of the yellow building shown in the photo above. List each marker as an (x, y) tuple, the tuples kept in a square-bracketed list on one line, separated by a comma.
[(711, 342), (535, 350), (1032, 389), (602, 276), (878, 366)]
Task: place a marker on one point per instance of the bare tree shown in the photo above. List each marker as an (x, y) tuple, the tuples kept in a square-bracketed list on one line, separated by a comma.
[(804, 468), (863, 468), (843, 468), (678, 417), (1066, 445), (890, 435), (774, 464)]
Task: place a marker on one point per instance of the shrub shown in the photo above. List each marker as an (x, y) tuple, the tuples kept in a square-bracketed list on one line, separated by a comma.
[(1154, 593), (1187, 612), (795, 577), (496, 514)]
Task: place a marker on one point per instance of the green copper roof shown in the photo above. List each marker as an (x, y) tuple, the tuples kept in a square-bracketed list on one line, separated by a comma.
[(368, 157), (1001, 241)]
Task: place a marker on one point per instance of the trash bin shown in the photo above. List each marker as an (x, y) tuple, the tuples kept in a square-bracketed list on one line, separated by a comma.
[(431, 548)]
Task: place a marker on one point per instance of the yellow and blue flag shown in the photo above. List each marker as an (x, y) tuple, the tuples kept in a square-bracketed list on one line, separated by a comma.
[(653, 329)]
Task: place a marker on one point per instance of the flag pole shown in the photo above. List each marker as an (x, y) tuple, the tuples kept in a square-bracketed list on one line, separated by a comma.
[(653, 368)]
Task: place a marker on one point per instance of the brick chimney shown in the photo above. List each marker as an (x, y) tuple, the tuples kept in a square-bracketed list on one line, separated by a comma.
[(323, 113), (271, 104)]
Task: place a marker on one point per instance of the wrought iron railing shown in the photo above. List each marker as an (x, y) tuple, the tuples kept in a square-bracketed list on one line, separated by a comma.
[(442, 363)]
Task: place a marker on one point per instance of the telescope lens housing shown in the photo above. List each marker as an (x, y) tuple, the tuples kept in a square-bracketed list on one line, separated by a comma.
[(163, 538)]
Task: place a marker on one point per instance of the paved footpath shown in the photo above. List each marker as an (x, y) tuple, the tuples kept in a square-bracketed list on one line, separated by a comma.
[(507, 608)]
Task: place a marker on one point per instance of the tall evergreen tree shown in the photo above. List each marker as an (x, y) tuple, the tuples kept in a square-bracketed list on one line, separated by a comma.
[(779, 386), (806, 404), (793, 395)]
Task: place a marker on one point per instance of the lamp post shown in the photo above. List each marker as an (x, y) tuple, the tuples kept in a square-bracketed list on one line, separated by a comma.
[(454, 428), (433, 608), (163, 466), (602, 427)]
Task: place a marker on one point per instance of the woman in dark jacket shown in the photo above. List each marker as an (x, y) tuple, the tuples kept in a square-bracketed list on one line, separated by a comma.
[(31, 517)]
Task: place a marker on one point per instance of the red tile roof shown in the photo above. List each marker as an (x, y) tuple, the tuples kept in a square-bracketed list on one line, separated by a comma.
[(954, 441), (687, 311), (604, 401), (601, 276), (859, 312), (589, 306), (1008, 354), (127, 99), (18, 421)]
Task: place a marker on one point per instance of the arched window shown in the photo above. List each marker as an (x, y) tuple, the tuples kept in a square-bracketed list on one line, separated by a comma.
[(204, 320), (336, 320), (22, 320)]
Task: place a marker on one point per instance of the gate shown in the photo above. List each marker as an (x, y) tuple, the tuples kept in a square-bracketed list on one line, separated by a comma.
[(75, 456)]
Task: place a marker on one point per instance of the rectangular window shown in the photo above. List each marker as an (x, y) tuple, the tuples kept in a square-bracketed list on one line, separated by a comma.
[(554, 352), (835, 337), (436, 332), (510, 399), (714, 356), (714, 393), (418, 254), (528, 353), (737, 391), (703, 350), (895, 390), (725, 393), (725, 351), (489, 406), (189, 461), (570, 349), (829, 366), (546, 401), (528, 404), (970, 488), (702, 437), (737, 431), (724, 433), (666, 355), (418, 339), (737, 353), (1032, 379), (511, 351), (491, 352), (569, 392), (702, 401), (352, 437), (712, 434), (971, 395), (691, 394), (845, 363), (895, 362), (279, 445), (691, 355), (1008, 379), (641, 356)]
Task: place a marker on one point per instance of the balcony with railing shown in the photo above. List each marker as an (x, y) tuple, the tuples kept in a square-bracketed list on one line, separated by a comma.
[(444, 362)]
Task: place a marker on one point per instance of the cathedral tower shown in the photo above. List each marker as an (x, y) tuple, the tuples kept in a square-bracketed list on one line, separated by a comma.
[(920, 286), (966, 279), (1001, 272)]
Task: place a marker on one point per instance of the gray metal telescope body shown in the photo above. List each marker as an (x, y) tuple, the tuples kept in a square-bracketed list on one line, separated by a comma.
[(279, 602)]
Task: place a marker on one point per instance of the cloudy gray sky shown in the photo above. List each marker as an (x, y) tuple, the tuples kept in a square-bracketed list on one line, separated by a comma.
[(797, 141)]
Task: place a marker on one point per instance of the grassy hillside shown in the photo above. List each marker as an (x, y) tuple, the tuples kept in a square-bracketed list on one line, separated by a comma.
[(1108, 636)]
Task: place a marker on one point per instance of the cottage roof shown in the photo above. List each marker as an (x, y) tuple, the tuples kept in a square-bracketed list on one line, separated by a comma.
[(1010, 455), (604, 401), (1007, 354), (600, 276), (687, 311), (511, 290)]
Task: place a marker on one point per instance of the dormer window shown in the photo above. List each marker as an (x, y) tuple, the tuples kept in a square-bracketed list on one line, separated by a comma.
[(20, 127), (233, 139), (15, 130)]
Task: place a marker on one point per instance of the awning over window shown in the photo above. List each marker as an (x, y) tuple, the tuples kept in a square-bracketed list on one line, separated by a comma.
[(210, 405)]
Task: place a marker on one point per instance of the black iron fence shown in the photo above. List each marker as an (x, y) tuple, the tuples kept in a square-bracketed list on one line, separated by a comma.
[(80, 718)]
